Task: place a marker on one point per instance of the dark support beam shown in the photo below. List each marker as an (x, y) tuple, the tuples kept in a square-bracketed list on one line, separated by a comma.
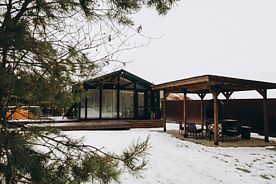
[(202, 115), (135, 93), (157, 105), (146, 104), (263, 92), (118, 96), (80, 103), (154, 104), (216, 119), (85, 103), (227, 95), (185, 113), (79, 111), (166, 94), (101, 103)]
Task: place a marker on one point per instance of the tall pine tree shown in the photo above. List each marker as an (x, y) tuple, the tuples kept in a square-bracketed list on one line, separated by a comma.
[(45, 45)]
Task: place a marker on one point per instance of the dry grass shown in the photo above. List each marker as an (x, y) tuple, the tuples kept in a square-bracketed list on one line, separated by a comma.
[(264, 176), (253, 142), (243, 170)]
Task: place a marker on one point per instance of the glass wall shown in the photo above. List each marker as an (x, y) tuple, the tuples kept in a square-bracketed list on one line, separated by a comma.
[(93, 103), (109, 103), (126, 104), (141, 104), (82, 110), (100, 97)]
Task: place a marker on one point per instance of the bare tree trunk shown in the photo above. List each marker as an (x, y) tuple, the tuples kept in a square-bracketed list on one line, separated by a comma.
[(9, 174), (5, 96)]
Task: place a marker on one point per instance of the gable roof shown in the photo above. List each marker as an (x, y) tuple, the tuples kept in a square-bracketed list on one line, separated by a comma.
[(109, 81)]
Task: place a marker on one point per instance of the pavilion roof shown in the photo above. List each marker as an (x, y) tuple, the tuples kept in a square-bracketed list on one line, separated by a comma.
[(209, 83)]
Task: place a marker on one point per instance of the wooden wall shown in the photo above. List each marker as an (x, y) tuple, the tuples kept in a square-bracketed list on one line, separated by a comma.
[(247, 111)]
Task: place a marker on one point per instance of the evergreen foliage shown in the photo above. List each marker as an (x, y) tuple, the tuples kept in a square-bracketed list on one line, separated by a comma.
[(63, 41), (46, 46), (39, 155)]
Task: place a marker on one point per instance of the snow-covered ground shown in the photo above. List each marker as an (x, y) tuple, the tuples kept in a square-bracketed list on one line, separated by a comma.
[(174, 161)]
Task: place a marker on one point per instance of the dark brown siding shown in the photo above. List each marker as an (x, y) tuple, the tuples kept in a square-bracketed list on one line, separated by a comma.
[(247, 111)]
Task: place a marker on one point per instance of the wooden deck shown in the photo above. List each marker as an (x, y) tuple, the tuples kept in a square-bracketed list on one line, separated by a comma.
[(146, 123), (103, 125), (114, 125)]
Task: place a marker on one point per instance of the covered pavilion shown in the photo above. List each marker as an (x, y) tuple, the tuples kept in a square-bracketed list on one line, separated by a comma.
[(215, 85)]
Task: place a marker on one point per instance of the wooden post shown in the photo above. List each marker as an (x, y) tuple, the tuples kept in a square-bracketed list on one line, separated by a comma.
[(216, 130), (263, 92), (185, 113), (266, 123), (202, 116), (164, 109)]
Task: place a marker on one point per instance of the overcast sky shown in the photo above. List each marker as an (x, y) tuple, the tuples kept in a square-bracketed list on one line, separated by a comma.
[(234, 38)]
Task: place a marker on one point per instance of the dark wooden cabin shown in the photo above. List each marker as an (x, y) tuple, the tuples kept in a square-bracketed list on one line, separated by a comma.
[(118, 95)]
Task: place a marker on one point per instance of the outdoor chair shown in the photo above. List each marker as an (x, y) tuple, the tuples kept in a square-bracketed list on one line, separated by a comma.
[(181, 127), (192, 129), (210, 130), (231, 130)]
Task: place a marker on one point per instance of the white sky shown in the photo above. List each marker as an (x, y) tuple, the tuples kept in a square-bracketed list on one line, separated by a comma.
[(234, 38)]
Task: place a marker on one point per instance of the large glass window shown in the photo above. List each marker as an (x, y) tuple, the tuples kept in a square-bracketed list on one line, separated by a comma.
[(82, 110), (93, 103), (141, 104), (126, 104), (109, 103)]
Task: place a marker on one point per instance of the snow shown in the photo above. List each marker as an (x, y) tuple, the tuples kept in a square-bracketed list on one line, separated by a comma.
[(174, 161), (49, 119)]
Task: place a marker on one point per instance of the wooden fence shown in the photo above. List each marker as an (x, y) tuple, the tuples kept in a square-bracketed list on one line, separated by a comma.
[(247, 111)]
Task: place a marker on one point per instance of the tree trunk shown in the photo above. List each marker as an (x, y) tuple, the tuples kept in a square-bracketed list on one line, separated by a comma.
[(9, 174)]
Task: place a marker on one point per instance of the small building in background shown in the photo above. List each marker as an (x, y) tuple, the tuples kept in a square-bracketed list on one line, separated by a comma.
[(118, 95)]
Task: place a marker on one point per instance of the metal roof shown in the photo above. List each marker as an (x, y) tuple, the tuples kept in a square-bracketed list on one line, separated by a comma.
[(110, 80)]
